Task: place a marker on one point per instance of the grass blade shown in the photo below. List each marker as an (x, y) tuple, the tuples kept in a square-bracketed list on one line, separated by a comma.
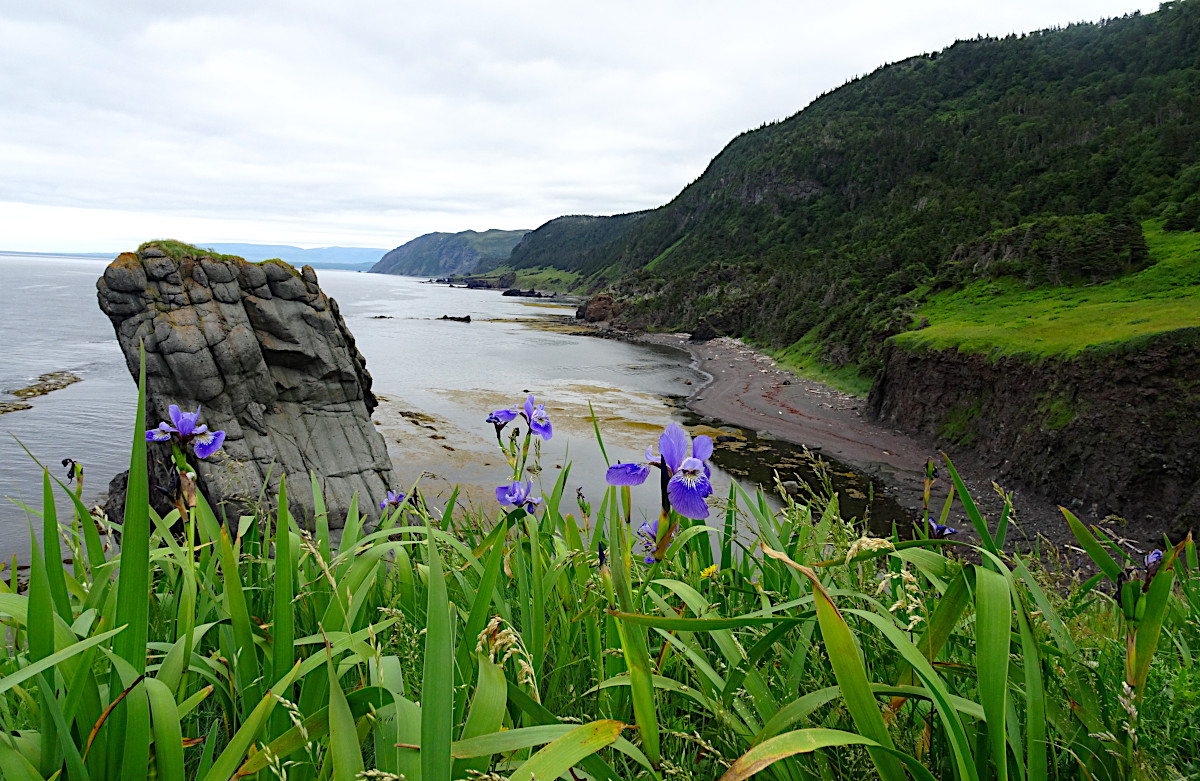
[(437, 688), (283, 622), (973, 514), (11, 680), (806, 741), (343, 739), (246, 660), (227, 763), (992, 632), (52, 550), (316, 727), (168, 736), (134, 583), (1096, 551), (850, 674), (564, 753), (633, 643)]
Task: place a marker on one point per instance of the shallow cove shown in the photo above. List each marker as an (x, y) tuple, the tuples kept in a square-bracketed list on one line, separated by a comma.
[(436, 379)]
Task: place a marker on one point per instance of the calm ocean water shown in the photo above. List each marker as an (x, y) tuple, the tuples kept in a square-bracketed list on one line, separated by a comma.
[(436, 381)]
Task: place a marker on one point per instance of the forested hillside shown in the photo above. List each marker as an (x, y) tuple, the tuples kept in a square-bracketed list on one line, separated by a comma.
[(1034, 158), (442, 254)]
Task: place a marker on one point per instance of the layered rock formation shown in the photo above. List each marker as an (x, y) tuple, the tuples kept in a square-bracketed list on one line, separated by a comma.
[(1103, 432), (270, 359)]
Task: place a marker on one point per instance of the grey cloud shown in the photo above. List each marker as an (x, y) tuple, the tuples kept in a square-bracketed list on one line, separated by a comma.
[(367, 119)]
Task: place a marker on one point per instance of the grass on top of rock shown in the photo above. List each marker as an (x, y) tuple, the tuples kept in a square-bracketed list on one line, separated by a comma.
[(1004, 317), (178, 250)]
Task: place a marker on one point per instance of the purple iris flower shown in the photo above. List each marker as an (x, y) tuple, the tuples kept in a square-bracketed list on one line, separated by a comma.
[(517, 494), (394, 499), (535, 416), (938, 531), (1153, 562), (687, 477), (204, 442)]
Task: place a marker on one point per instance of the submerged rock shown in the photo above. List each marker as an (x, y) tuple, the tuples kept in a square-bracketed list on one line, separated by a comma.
[(269, 358)]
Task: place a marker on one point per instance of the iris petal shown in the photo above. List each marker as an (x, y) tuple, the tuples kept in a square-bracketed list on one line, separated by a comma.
[(186, 421), (160, 434), (540, 423), (529, 407), (687, 493), (673, 445), (627, 474), (502, 417), (702, 447), (208, 443)]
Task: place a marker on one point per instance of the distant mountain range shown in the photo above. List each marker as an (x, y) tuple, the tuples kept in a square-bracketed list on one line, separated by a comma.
[(444, 254), (352, 258)]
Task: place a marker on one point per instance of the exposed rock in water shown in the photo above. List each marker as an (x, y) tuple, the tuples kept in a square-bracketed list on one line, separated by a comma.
[(269, 357), (463, 319), (45, 384), (1107, 432)]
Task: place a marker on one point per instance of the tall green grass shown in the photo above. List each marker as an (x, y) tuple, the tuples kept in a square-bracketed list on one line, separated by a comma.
[(445, 645)]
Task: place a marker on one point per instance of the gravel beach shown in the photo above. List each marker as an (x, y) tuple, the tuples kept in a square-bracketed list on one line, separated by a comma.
[(746, 389)]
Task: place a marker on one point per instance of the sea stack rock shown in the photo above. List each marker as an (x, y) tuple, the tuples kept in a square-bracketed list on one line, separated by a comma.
[(269, 358)]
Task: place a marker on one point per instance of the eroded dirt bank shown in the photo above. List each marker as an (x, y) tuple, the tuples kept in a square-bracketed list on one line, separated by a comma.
[(1116, 433)]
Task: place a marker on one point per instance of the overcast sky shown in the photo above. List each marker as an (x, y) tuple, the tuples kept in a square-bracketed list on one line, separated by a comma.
[(354, 123)]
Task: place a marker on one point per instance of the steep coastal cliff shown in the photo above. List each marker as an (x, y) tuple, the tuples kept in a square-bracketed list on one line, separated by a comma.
[(1109, 431)]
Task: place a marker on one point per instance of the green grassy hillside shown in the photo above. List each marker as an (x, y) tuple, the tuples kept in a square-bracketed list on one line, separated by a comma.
[(1018, 167), (1006, 318)]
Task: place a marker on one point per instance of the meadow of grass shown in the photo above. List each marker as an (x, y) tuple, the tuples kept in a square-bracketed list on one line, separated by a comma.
[(554, 279), (519, 645), (1003, 317)]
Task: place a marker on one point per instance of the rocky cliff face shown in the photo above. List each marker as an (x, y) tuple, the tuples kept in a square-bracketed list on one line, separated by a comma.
[(268, 356), (1117, 432)]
